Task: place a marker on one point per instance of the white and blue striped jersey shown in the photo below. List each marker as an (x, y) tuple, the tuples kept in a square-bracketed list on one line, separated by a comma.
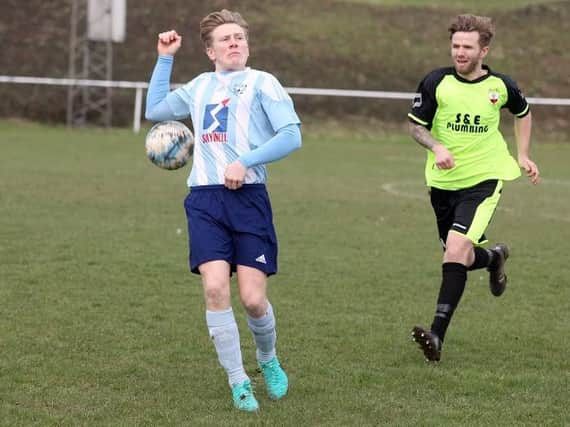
[(232, 113)]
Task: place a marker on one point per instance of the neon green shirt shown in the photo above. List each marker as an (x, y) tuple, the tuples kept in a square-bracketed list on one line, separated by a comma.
[(464, 116)]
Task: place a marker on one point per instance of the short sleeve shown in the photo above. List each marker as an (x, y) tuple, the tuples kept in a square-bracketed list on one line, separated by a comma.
[(516, 102), (424, 105), (276, 103)]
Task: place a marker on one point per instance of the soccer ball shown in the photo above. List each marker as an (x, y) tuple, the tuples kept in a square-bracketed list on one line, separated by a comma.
[(169, 145)]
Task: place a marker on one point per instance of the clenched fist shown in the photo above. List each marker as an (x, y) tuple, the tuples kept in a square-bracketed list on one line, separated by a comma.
[(168, 43)]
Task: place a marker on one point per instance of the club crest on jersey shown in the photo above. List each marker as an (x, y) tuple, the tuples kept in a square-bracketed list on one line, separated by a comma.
[(239, 89), (493, 96), (215, 126)]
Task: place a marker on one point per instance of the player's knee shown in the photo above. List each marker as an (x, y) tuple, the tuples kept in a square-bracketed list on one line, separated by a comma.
[(217, 295), (459, 252), (254, 303)]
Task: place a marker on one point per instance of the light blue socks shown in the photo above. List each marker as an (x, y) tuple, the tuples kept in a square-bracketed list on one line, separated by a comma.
[(264, 334), (225, 336)]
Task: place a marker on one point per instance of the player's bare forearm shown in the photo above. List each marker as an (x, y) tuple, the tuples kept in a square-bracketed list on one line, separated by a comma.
[(422, 136), (443, 158), (523, 129)]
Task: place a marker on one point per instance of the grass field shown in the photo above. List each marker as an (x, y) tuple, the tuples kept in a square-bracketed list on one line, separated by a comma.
[(102, 325)]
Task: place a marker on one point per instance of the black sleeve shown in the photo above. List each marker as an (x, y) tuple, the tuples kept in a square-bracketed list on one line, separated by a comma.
[(516, 102), (424, 105)]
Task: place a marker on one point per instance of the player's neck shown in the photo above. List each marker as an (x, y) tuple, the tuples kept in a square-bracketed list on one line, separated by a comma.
[(475, 74), (227, 70)]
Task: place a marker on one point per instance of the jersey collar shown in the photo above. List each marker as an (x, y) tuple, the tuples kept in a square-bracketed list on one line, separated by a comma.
[(480, 79)]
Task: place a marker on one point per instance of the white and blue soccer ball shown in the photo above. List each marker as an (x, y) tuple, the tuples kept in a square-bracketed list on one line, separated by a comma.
[(169, 144)]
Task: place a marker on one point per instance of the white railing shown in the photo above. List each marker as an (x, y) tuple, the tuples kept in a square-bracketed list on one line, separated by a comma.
[(140, 86)]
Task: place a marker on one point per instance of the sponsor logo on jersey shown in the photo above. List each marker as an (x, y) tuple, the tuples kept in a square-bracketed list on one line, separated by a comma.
[(467, 123), (215, 126)]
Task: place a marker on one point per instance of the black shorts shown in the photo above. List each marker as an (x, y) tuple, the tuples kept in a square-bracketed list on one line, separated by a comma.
[(467, 211)]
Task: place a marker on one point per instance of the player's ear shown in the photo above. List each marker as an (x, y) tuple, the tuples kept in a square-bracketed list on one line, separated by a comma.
[(210, 53), (484, 51)]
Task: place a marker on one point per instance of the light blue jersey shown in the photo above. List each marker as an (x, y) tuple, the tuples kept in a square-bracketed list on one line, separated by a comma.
[(233, 114)]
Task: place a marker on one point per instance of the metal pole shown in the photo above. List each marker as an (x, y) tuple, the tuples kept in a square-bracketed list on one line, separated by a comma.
[(138, 109), (72, 58), (109, 70)]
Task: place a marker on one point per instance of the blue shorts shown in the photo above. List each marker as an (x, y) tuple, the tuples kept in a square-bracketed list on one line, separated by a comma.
[(231, 225)]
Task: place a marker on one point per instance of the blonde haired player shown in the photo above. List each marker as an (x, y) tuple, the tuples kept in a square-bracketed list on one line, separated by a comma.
[(243, 119)]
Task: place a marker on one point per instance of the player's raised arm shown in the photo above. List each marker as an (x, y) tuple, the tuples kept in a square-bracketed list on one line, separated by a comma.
[(157, 109)]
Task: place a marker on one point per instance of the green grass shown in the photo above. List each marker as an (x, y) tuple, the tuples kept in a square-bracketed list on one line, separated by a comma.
[(102, 325)]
